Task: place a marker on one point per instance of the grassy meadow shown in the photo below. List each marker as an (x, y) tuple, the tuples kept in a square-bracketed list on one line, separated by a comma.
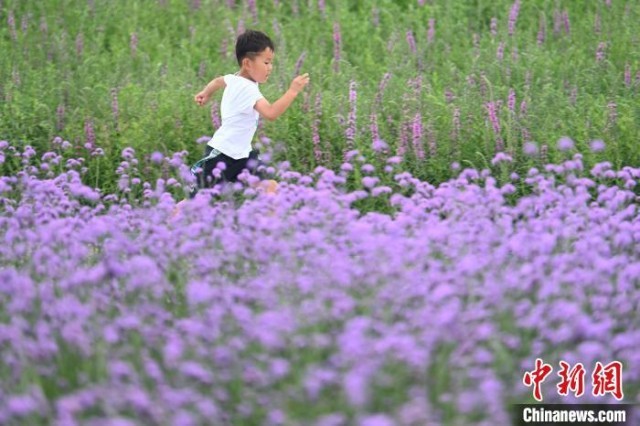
[(439, 82)]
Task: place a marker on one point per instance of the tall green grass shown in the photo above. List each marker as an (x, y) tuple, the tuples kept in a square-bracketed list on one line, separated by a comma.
[(77, 57)]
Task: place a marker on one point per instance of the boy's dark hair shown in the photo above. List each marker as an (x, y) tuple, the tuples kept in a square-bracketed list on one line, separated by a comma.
[(250, 43)]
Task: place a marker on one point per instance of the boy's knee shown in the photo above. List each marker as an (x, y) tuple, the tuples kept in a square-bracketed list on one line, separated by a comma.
[(269, 186)]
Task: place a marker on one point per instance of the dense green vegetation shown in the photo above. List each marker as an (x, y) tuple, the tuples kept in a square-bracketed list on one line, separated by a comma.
[(126, 72)]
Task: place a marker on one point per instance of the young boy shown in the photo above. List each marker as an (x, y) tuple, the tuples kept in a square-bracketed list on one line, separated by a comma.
[(241, 105)]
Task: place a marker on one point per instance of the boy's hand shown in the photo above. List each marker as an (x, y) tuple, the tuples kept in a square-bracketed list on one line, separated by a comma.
[(299, 83), (213, 86), (202, 98)]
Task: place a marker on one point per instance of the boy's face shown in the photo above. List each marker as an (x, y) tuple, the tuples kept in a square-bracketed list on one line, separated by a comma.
[(260, 66)]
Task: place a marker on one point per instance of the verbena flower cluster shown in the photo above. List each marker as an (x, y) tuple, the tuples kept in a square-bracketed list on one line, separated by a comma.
[(298, 308)]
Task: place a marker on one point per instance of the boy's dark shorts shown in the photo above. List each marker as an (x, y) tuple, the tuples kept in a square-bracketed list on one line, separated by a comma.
[(203, 169)]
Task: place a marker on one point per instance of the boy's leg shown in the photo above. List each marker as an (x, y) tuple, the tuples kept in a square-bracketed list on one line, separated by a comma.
[(204, 176), (269, 186), (208, 180), (258, 168), (253, 164), (233, 168)]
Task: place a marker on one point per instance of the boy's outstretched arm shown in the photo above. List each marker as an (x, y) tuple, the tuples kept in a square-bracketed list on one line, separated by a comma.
[(213, 86), (276, 109)]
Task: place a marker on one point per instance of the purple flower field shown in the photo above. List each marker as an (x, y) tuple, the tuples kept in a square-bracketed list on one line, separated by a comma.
[(299, 309)]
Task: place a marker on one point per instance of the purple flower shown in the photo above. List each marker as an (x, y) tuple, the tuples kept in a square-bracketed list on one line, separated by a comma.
[(133, 44), (542, 29), (369, 181), (565, 144), (356, 386), (613, 113), (513, 16), (416, 130), (128, 153), (431, 32), (492, 111), (368, 168), (79, 44), (411, 41), (381, 87), (600, 51), (24, 24), (89, 134), (379, 190), (379, 145), (11, 20), (377, 420), (523, 107), (253, 9), (431, 142), (500, 51), (23, 405), (501, 157), (530, 148), (566, 23), (114, 107), (315, 128), (375, 18), (455, 132), (60, 117), (375, 134), (194, 315), (44, 28), (511, 102), (335, 419), (299, 62), (346, 167), (557, 22), (215, 116), (350, 132), (202, 69), (337, 40), (597, 145)]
